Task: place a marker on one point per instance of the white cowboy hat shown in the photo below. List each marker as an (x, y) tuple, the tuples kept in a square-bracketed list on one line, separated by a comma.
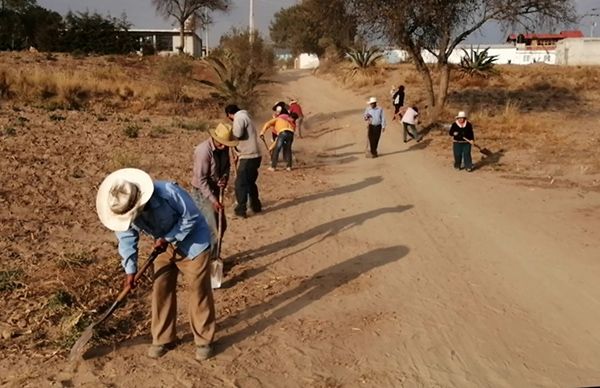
[(121, 196), (461, 115), (223, 134), (372, 100)]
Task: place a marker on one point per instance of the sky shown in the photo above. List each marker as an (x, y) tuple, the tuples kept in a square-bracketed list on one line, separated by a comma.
[(142, 14)]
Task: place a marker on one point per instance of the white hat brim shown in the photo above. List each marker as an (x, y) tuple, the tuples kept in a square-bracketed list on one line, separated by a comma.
[(122, 222)]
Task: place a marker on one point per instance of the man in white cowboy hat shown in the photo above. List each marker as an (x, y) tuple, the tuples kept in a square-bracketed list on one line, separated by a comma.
[(210, 173), (462, 134), (376, 125), (130, 202)]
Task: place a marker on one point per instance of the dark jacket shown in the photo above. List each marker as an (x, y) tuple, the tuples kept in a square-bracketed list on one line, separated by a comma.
[(400, 94), (463, 133)]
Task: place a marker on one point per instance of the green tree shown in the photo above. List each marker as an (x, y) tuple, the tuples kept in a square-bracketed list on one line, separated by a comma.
[(439, 26), (94, 33), (240, 67), (12, 34), (312, 25), (41, 27), (184, 10)]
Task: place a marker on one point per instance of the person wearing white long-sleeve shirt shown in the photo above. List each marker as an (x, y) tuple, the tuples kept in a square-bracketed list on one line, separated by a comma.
[(376, 125)]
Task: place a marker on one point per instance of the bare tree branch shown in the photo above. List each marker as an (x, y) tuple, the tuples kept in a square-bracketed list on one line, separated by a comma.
[(182, 10)]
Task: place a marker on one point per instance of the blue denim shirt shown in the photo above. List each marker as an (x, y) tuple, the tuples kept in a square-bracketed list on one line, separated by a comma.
[(171, 214), (376, 115)]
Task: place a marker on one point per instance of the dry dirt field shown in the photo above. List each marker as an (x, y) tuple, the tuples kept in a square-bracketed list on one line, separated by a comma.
[(396, 271)]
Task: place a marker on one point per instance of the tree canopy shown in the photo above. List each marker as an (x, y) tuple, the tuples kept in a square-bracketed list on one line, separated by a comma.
[(439, 26), (23, 23), (312, 26), (186, 10)]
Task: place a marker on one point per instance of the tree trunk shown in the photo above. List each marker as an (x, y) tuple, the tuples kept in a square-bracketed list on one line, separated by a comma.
[(181, 37), (425, 75), (442, 94)]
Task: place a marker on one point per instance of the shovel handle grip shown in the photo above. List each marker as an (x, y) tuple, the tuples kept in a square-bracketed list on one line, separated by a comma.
[(138, 275)]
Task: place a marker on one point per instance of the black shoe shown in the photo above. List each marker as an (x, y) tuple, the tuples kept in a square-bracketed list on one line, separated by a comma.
[(238, 215)]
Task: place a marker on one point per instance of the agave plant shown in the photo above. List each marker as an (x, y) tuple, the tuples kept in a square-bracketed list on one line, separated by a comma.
[(236, 82), (365, 57), (363, 68), (478, 63)]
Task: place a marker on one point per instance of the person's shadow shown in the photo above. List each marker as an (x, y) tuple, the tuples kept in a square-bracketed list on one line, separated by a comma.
[(371, 181), (312, 289), (489, 160), (325, 231)]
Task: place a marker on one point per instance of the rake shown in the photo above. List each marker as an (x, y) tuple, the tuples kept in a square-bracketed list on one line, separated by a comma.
[(483, 150)]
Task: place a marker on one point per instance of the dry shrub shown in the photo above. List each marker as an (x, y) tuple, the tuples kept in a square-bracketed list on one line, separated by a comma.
[(412, 78), (471, 82), (359, 78), (5, 83), (72, 92), (175, 73), (122, 159)]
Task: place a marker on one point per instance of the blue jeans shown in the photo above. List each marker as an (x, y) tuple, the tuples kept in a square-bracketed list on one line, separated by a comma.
[(462, 154), (284, 142)]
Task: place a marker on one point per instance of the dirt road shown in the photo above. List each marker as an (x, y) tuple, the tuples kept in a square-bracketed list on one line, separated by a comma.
[(387, 272)]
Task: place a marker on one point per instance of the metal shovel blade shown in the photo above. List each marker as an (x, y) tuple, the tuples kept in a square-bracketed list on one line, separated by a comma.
[(79, 346), (216, 273)]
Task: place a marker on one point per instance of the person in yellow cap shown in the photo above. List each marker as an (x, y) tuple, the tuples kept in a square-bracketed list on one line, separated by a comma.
[(129, 202), (211, 173)]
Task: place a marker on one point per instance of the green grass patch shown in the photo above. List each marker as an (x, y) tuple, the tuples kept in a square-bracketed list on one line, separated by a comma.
[(74, 259), (132, 131), (10, 279)]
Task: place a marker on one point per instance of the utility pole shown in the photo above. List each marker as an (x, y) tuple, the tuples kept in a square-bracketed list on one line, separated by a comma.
[(251, 22), (206, 31), (594, 23)]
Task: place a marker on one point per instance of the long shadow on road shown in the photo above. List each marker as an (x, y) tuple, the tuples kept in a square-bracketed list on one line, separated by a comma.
[(371, 181), (323, 231), (305, 293)]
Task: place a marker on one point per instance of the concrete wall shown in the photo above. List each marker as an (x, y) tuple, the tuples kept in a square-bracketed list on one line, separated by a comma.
[(506, 54), (193, 45), (578, 51), (306, 61)]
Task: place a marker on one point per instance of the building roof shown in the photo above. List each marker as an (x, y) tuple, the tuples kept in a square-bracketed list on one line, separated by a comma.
[(174, 31), (559, 36)]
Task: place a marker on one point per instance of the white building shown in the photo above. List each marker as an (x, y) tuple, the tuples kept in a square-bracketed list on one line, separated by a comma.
[(505, 53), (166, 42), (306, 61), (578, 51)]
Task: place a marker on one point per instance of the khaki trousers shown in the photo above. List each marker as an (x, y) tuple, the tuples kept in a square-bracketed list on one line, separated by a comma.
[(201, 307)]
